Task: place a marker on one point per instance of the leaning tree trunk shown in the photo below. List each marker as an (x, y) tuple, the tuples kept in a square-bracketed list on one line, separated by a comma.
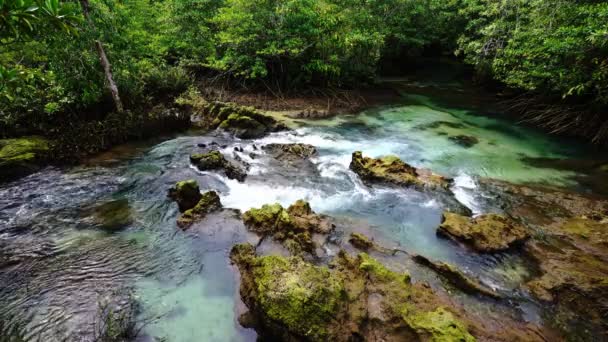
[(105, 63)]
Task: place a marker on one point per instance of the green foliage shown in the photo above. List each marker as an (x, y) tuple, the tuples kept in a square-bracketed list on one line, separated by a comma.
[(49, 67), (558, 47)]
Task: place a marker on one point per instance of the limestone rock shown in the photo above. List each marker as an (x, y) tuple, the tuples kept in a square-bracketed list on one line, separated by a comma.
[(392, 170), (484, 233), (19, 157), (356, 299), (186, 194), (209, 202), (293, 226), (215, 160)]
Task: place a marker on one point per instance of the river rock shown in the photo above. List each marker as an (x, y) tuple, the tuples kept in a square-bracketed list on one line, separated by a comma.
[(391, 169), (293, 227), (243, 122), (360, 241), (573, 262), (209, 202), (484, 233), (186, 194), (113, 215), (215, 160), (290, 152), (465, 141), (358, 299), (22, 156), (456, 277)]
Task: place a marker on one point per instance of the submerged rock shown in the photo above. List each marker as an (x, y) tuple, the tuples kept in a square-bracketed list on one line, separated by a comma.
[(465, 141), (215, 160), (186, 194), (456, 277), (19, 157), (243, 122), (290, 152), (484, 233), (391, 169), (113, 215), (209, 202), (360, 241), (572, 259), (357, 299), (293, 226)]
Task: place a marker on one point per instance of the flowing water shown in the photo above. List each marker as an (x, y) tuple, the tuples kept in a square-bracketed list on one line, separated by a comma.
[(59, 261)]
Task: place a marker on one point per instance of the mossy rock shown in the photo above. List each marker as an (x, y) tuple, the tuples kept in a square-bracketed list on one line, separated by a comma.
[(19, 157), (290, 152), (186, 193), (392, 170), (455, 277), (243, 126), (243, 122), (215, 160), (355, 299), (360, 241), (466, 141), (293, 226), (209, 202), (113, 215), (439, 326), (485, 233)]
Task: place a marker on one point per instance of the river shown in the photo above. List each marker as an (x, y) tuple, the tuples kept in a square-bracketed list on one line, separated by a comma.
[(60, 261)]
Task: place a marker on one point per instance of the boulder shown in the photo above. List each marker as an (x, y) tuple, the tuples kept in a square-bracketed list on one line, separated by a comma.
[(215, 160), (243, 122), (209, 202), (113, 215), (484, 233), (357, 299), (186, 194), (293, 226), (290, 152), (360, 241), (392, 170), (22, 156), (465, 141), (572, 260), (455, 277)]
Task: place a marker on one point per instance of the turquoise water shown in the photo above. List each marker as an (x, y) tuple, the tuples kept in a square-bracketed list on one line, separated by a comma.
[(57, 263)]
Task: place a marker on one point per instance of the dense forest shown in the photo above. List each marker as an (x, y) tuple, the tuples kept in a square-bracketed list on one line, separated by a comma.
[(553, 55)]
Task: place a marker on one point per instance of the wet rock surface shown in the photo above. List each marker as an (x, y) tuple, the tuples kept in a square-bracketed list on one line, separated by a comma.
[(290, 152), (293, 227), (392, 170), (456, 277), (465, 141), (19, 157), (484, 233), (570, 250), (186, 194), (356, 299), (243, 122), (209, 202), (215, 160)]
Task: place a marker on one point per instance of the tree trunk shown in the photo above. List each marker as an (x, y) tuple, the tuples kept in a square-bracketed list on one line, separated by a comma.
[(105, 63)]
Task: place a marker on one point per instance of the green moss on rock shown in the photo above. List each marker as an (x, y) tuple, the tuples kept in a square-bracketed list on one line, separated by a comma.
[(186, 194), (439, 326), (293, 226), (243, 122), (360, 241), (391, 169), (215, 160), (484, 233), (355, 299), (18, 157), (209, 202)]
